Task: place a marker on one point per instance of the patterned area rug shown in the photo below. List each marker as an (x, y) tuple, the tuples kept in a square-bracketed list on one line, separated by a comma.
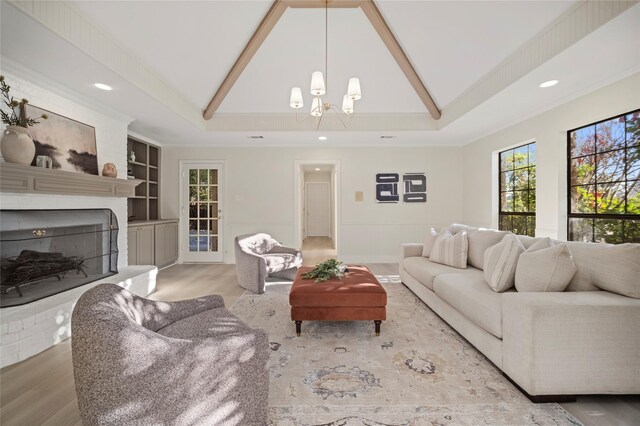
[(419, 371)]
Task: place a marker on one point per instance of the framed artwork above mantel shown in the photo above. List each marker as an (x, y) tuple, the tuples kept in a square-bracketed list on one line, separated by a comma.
[(70, 143)]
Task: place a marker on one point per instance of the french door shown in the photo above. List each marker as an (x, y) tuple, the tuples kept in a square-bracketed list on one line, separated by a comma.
[(201, 212)]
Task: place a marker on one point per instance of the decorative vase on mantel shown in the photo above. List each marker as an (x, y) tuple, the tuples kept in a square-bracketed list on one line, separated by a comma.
[(17, 146)]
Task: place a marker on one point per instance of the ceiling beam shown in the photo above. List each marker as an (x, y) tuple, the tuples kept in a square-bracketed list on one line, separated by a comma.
[(377, 20), (266, 25), (273, 15)]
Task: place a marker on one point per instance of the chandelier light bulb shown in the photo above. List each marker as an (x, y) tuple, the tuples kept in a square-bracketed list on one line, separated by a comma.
[(317, 84), (347, 105), (296, 98), (354, 89), (316, 107)]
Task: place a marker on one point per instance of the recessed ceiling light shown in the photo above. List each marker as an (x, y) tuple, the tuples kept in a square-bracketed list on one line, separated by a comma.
[(387, 137), (256, 137), (549, 83), (322, 138), (102, 86), (317, 169)]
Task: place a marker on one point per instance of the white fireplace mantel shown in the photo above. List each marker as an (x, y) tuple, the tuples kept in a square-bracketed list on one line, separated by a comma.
[(27, 179)]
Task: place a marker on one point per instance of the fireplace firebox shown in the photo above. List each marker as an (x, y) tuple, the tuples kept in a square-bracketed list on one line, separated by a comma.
[(44, 252)]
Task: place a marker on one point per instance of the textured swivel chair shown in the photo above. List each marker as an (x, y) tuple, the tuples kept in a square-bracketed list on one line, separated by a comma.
[(259, 256), (137, 361)]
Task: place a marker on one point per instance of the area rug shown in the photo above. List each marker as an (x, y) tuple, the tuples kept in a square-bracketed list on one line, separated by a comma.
[(419, 371)]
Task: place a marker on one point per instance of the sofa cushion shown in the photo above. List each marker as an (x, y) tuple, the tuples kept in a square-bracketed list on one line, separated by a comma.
[(479, 241), (470, 295), (614, 268), (454, 228), (500, 263), (450, 249), (544, 267), (425, 271), (212, 323), (429, 239)]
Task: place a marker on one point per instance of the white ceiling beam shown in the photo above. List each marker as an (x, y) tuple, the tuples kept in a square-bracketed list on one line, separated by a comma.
[(581, 20)]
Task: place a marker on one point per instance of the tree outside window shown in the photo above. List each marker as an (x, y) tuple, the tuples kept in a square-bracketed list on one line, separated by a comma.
[(517, 205), (604, 180)]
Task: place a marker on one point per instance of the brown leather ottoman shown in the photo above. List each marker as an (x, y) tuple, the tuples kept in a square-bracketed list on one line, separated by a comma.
[(358, 296)]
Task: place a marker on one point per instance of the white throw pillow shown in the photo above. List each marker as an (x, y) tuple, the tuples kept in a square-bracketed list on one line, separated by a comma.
[(450, 249), (543, 269), (500, 263), (432, 234), (479, 241)]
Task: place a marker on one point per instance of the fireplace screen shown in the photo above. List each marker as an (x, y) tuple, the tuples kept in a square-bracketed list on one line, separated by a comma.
[(45, 252)]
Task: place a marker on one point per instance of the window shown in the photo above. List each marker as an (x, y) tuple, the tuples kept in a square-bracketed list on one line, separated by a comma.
[(517, 175), (604, 180)]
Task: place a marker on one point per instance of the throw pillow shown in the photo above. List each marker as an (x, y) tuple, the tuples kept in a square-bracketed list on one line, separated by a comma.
[(479, 241), (543, 269), (450, 249), (432, 234), (500, 263)]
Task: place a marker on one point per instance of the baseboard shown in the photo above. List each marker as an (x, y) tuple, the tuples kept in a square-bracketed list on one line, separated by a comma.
[(542, 399)]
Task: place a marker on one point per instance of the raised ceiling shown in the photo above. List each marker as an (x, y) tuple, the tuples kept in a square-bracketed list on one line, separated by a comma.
[(189, 48)]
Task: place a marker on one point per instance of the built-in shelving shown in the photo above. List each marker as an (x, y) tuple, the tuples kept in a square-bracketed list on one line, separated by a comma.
[(143, 206)]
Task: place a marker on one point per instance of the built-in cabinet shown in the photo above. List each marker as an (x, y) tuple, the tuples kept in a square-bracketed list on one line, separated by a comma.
[(153, 243)]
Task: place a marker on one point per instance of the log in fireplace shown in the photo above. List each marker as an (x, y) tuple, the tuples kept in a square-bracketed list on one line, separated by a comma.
[(44, 252)]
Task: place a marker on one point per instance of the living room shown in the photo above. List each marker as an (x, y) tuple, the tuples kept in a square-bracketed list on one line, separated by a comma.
[(221, 180)]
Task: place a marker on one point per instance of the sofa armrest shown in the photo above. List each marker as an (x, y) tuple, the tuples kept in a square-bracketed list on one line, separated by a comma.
[(571, 343), (288, 250), (410, 250), (160, 314)]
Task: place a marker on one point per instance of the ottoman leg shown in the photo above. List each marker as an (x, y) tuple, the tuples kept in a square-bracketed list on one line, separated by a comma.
[(377, 323), (298, 327)]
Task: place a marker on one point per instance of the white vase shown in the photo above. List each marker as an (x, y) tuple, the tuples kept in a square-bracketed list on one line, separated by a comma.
[(17, 145)]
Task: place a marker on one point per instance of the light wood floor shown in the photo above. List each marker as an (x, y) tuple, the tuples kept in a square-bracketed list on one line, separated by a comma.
[(40, 390)]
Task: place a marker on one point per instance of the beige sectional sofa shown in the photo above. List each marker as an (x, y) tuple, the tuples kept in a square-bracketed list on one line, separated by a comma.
[(581, 341)]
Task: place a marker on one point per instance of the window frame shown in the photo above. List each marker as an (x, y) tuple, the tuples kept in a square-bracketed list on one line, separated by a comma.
[(604, 216), (528, 188)]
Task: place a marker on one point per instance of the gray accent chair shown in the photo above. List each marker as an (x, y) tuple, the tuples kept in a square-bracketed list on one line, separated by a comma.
[(259, 256), (138, 361)]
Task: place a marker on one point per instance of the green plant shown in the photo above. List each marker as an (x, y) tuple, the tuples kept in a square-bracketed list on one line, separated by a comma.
[(11, 118), (326, 270)]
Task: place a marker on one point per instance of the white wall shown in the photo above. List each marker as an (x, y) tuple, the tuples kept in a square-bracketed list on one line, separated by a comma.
[(111, 145), (549, 130), (260, 194)]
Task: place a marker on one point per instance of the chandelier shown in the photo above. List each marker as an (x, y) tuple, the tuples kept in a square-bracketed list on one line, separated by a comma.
[(318, 88)]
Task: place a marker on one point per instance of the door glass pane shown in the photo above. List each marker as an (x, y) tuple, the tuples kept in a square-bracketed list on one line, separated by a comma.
[(204, 177), (193, 177), (213, 177), (213, 193), (214, 244), (193, 210), (203, 193)]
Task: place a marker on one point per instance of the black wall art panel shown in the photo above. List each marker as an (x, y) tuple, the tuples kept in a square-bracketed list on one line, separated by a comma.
[(387, 187), (415, 188)]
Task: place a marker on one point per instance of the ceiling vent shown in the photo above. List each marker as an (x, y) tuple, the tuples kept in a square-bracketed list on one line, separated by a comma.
[(256, 137), (387, 137)]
